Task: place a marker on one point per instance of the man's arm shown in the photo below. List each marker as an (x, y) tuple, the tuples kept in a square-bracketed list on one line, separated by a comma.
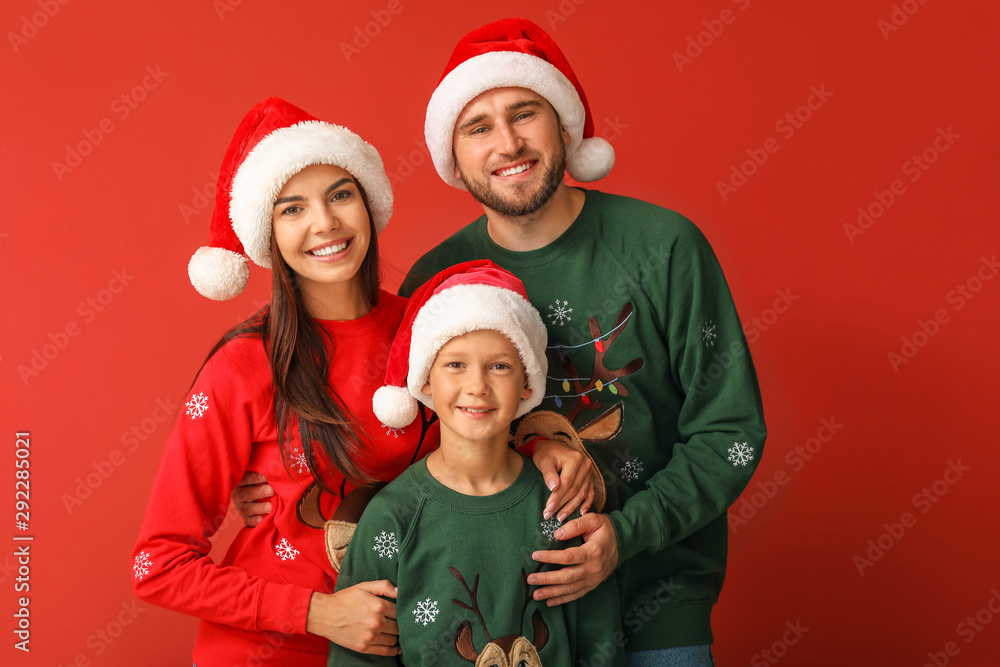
[(720, 425)]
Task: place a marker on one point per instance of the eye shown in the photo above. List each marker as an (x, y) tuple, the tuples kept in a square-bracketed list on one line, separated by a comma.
[(523, 115), (341, 195), (291, 210), (501, 366)]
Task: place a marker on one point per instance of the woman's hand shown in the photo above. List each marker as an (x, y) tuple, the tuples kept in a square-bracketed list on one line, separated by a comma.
[(247, 497), (357, 618), (568, 475)]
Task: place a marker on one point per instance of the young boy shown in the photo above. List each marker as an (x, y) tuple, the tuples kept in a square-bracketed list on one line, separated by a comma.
[(455, 532)]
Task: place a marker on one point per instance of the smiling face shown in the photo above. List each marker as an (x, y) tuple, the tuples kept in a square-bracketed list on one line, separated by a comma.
[(510, 150), (323, 230), (477, 383)]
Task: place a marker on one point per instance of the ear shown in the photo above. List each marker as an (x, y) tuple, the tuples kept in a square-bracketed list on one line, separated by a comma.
[(426, 389), (567, 140), (525, 392), (463, 642), (454, 161)]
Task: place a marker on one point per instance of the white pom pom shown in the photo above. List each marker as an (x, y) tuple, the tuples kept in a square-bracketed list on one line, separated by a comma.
[(217, 273), (592, 160), (394, 406)]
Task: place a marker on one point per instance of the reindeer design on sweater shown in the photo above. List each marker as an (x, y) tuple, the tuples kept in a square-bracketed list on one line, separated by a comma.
[(510, 651)]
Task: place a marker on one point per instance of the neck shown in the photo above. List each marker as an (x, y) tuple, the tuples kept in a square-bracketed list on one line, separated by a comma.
[(474, 468), (539, 228), (340, 301)]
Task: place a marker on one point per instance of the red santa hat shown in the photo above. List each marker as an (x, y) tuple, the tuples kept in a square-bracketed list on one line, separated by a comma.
[(275, 141), (514, 53), (472, 296)]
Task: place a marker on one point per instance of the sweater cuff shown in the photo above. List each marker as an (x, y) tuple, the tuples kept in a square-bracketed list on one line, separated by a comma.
[(283, 608), (528, 448), (637, 529)]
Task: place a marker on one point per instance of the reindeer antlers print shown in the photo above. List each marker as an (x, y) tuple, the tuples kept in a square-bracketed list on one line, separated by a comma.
[(506, 651), (602, 376)]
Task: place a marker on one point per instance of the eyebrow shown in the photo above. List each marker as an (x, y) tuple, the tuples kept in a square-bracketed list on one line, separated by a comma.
[(510, 107), (291, 198)]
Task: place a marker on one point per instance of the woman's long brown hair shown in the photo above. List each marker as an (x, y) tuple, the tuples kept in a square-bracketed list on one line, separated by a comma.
[(296, 347)]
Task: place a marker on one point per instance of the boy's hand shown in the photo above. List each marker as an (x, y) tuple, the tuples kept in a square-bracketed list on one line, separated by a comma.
[(357, 618), (247, 495), (584, 567), (568, 474)]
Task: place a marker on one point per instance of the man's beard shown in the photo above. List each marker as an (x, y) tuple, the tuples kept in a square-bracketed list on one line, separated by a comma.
[(516, 206)]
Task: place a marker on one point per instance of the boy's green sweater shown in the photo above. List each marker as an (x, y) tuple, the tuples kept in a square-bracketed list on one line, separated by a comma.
[(648, 359), (459, 562)]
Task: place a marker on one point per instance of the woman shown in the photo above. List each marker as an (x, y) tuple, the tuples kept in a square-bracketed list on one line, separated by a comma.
[(286, 394)]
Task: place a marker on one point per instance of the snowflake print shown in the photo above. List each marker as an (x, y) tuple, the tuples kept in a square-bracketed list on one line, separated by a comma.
[(385, 545), (285, 551), (740, 454), (299, 461), (631, 470), (426, 611), (560, 312), (549, 527), (394, 432), (708, 334), (140, 568), (197, 406)]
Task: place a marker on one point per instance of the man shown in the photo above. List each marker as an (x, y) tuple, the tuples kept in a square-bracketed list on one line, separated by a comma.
[(647, 354)]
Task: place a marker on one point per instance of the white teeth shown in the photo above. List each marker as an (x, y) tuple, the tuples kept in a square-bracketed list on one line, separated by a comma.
[(476, 411), (516, 170), (329, 250)]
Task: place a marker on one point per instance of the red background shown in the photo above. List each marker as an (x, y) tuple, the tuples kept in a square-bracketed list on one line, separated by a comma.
[(677, 132)]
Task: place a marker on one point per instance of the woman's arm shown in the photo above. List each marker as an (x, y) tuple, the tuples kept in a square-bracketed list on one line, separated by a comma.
[(206, 453)]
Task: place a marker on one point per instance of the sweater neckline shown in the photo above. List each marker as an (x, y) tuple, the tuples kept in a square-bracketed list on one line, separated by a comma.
[(367, 322), (514, 259), (461, 502)]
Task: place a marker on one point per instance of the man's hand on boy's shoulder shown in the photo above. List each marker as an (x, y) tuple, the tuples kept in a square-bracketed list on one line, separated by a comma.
[(583, 567), (248, 497)]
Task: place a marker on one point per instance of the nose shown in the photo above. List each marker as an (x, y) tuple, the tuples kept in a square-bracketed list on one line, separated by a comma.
[(510, 140), (324, 220), (475, 383)]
